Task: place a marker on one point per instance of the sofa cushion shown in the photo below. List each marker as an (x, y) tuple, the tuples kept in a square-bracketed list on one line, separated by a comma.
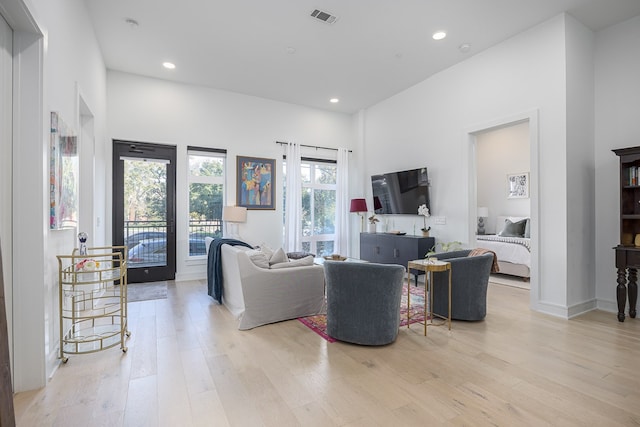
[(259, 258), (294, 263), (279, 256)]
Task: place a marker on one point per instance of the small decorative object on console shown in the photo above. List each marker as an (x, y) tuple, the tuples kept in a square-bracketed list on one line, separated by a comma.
[(424, 211), (372, 223)]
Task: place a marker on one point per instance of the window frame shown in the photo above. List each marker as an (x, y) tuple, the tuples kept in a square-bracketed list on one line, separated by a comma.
[(200, 179), (314, 239)]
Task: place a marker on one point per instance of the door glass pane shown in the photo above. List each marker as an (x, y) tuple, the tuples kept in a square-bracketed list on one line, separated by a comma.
[(145, 212)]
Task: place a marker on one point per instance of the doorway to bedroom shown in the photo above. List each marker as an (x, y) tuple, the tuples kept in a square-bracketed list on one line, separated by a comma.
[(503, 179)]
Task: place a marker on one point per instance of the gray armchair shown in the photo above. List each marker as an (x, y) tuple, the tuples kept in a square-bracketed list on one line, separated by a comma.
[(469, 281), (363, 301)]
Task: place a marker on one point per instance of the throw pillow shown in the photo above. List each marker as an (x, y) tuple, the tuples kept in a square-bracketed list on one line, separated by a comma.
[(258, 258), (527, 229), (295, 263), (298, 255), (278, 257), (513, 229), (266, 249)]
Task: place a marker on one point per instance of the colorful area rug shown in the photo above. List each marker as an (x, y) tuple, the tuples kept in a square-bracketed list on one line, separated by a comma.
[(318, 323)]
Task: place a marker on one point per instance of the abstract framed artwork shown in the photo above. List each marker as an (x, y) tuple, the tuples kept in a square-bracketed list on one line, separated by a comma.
[(63, 175), (256, 179), (518, 185)]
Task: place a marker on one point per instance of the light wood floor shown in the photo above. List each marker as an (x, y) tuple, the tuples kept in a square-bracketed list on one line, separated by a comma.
[(188, 365)]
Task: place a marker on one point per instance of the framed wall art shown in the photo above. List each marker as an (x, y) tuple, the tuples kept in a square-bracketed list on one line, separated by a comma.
[(518, 185), (256, 179), (63, 175)]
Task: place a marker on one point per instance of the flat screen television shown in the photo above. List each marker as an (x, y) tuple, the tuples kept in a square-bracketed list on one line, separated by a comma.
[(400, 192)]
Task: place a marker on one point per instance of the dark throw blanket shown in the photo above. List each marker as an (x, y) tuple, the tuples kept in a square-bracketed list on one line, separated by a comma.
[(214, 266)]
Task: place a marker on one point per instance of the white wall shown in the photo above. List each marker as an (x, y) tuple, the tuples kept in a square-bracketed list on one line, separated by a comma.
[(501, 152), (158, 111), (427, 124), (580, 202), (617, 126), (55, 54)]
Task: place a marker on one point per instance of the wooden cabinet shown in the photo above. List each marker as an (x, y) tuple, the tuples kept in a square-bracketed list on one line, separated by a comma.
[(394, 249), (92, 300), (628, 249)]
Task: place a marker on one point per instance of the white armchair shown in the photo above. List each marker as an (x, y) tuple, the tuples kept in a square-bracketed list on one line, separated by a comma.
[(258, 296)]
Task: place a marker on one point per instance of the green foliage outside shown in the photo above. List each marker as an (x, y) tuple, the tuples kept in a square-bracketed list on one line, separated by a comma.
[(145, 191)]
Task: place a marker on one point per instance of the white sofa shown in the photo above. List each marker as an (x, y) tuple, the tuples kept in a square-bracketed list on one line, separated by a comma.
[(258, 296)]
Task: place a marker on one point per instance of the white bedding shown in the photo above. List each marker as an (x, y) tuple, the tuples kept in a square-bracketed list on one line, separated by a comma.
[(510, 249)]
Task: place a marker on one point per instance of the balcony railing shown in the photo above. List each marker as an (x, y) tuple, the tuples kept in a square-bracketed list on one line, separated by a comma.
[(153, 235)]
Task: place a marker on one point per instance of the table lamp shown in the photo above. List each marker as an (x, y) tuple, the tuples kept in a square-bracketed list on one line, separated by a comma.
[(232, 215), (483, 212), (359, 206)]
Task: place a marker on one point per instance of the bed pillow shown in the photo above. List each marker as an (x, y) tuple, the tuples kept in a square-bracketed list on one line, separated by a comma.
[(294, 263), (513, 229), (258, 258)]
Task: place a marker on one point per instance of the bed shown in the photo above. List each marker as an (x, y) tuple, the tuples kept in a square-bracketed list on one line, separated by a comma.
[(513, 249)]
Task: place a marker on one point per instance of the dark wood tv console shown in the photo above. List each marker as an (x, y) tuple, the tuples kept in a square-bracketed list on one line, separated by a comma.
[(386, 248)]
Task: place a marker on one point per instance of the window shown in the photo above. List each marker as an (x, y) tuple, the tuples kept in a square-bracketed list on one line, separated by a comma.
[(318, 205), (206, 197)]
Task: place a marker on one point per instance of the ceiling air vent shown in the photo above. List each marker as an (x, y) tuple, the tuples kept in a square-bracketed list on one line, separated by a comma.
[(324, 16)]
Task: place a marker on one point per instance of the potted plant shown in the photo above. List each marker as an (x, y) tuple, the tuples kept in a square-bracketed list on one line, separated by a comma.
[(445, 246), (372, 223), (424, 211)]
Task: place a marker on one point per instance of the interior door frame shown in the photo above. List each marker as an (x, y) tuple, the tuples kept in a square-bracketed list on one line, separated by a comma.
[(146, 150)]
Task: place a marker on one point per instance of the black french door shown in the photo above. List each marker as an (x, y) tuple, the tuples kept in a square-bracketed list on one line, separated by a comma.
[(144, 208)]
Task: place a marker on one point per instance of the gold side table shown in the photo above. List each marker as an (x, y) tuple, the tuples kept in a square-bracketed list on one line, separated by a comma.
[(429, 267)]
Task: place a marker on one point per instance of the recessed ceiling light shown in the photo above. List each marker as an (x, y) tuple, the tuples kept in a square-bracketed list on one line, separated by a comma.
[(132, 22), (439, 35), (169, 65), (334, 100)]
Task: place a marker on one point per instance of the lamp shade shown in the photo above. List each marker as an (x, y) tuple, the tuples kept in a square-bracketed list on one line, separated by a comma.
[(483, 212), (358, 205), (234, 214)]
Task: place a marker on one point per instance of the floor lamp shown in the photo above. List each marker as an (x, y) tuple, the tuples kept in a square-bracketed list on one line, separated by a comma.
[(359, 206), (232, 215)]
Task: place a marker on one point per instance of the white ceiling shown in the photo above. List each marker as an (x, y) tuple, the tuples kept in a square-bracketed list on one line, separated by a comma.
[(374, 50)]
